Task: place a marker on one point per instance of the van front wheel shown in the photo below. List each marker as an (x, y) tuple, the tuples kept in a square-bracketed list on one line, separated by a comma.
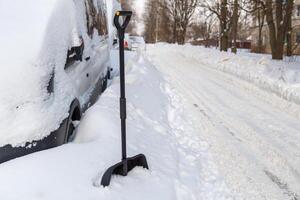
[(70, 134), (74, 116)]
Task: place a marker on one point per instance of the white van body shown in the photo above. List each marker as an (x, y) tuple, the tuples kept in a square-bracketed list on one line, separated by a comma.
[(54, 59), (113, 6)]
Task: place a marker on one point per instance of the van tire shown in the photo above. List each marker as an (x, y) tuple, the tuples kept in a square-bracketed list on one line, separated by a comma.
[(104, 83), (74, 115)]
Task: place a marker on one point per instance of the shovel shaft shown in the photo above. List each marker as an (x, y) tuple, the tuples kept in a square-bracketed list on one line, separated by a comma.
[(122, 93), (126, 164), (121, 33), (122, 63)]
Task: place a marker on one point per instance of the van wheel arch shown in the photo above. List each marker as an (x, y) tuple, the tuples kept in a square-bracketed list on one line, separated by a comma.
[(75, 114)]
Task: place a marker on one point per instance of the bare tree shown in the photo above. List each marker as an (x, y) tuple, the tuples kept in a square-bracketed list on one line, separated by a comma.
[(220, 9), (172, 7), (185, 12), (181, 13), (165, 28), (203, 28), (158, 24), (278, 27), (289, 46), (256, 8), (224, 26), (235, 18), (150, 21), (132, 26), (259, 16)]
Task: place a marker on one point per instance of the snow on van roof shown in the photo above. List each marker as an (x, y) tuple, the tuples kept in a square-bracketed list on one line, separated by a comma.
[(33, 38)]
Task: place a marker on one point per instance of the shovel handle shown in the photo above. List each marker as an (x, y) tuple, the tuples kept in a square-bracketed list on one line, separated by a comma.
[(118, 14)]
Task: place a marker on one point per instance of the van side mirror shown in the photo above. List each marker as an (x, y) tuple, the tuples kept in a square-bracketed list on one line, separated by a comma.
[(77, 52), (74, 54), (115, 41)]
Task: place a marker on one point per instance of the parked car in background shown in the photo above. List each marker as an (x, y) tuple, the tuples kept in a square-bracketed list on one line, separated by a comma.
[(127, 42), (137, 43), (54, 65)]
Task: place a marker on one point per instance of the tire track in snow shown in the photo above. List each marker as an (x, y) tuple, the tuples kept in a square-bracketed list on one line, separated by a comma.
[(260, 146), (217, 120), (232, 165), (282, 186)]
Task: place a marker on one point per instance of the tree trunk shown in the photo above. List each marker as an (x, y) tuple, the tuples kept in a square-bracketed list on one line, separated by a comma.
[(223, 27), (278, 32), (277, 54), (261, 21), (181, 38), (260, 42), (175, 35), (272, 30), (289, 50), (234, 26)]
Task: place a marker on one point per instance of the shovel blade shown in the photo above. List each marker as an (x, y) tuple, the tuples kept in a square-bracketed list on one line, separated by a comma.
[(123, 167)]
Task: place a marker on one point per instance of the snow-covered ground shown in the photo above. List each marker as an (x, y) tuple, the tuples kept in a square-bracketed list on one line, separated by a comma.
[(253, 134), (206, 134), (180, 164)]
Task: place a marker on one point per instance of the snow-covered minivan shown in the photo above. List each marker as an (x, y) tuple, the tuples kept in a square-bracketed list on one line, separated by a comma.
[(54, 62)]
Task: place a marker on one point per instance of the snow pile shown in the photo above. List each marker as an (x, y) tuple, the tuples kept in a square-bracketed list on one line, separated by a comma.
[(180, 166), (279, 77)]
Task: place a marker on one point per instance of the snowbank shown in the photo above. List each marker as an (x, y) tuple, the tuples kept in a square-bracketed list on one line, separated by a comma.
[(180, 165), (279, 77)]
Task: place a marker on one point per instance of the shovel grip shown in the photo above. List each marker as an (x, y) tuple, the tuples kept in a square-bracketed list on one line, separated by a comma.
[(118, 14)]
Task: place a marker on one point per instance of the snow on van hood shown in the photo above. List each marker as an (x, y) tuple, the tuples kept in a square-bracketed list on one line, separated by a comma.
[(34, 38)]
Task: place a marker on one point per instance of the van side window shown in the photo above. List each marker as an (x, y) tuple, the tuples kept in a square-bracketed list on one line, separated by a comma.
[(75, 54), (298, 37), (101, 24), (96, 17), (91, 13)]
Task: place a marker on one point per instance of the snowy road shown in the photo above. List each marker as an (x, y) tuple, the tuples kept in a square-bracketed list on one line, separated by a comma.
[(252, 135)]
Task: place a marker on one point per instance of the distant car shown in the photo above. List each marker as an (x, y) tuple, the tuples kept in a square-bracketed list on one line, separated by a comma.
[(54, 64), (137, 42), (127, 43)]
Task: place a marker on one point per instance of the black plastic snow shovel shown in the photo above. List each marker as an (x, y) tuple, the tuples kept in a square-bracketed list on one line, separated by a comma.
[(126, 164)]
